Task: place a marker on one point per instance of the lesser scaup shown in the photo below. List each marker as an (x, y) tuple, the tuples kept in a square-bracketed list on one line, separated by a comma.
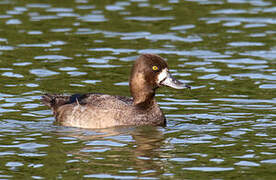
[(101, 111)]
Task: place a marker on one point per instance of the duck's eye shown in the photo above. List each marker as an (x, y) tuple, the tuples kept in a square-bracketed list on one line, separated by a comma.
[(155, 68)]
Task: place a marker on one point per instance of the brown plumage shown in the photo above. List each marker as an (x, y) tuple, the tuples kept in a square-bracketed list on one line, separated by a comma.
[(100, 110)]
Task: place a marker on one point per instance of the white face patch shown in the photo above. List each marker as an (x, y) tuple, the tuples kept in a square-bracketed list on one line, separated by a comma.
[(162, 75)]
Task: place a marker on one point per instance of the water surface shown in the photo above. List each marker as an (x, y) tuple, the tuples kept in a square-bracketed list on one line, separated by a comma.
[(223, 129)]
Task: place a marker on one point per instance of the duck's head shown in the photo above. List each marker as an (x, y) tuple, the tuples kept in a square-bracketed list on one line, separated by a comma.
[(148, 73)]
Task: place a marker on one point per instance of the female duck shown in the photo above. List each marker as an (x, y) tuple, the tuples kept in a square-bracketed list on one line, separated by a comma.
[(101, 111)]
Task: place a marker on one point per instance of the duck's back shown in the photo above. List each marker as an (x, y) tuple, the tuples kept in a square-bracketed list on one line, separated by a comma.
[(101, 111)]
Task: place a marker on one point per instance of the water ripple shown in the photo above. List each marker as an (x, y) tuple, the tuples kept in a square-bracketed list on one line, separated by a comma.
[(209, 169), (43, 72), (53, 57), (145, 18), (93, 18)]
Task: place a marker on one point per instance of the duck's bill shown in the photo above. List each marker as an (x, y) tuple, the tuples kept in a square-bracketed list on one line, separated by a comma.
[(173, 83)]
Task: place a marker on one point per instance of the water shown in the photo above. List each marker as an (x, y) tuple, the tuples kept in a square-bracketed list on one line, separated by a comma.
[(224, 128)]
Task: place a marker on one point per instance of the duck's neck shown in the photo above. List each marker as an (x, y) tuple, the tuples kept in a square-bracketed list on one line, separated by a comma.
[(143, 94), (143, 100)]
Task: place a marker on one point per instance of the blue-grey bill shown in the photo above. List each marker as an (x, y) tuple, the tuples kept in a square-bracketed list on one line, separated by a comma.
[(170, 81)]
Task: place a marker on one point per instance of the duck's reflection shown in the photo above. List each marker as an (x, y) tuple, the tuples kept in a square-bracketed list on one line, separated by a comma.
[(147, 155), (132, 149)]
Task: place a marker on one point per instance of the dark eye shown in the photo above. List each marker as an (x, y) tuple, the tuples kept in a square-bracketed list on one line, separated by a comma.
[(155, 68)]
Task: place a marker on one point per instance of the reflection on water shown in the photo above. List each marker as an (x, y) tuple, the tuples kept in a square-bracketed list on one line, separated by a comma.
[(224, 49)]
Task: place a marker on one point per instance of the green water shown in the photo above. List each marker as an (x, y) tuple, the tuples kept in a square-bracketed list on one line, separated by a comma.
[(224, 128)]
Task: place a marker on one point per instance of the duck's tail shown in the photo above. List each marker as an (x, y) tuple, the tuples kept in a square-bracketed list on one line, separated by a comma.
[(54, 100)]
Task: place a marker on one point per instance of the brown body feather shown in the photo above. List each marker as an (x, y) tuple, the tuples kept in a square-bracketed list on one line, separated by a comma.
[(101, 111)]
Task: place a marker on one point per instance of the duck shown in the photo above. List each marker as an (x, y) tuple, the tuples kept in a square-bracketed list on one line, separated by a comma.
[(96, 110)]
